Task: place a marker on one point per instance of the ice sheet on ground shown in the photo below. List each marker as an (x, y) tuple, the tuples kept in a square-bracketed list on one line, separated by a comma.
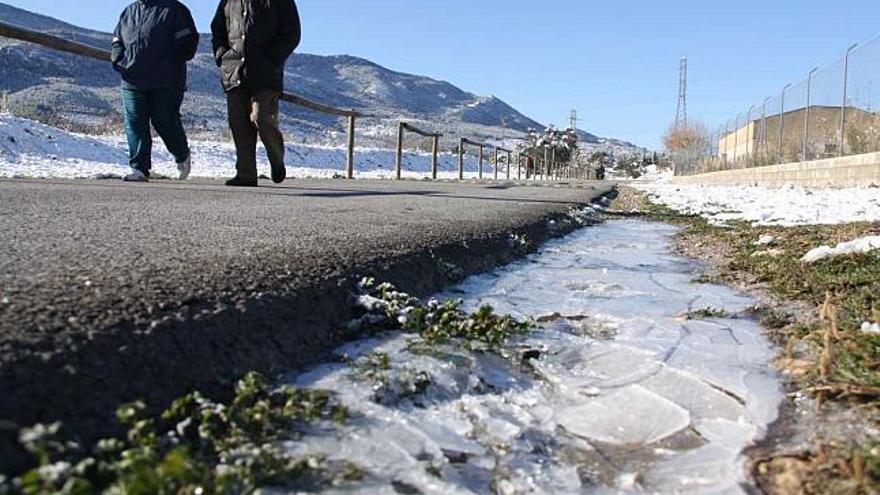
[(626, 395)]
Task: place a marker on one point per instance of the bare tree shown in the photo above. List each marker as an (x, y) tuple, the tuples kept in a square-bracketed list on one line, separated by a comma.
[(687, 143)]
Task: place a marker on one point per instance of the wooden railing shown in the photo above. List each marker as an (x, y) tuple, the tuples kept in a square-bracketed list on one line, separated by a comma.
[(435, 147)]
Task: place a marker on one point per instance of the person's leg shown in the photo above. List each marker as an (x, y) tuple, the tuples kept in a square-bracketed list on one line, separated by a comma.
[(136, 116), (239, 104), (165, 114), (265, 116)]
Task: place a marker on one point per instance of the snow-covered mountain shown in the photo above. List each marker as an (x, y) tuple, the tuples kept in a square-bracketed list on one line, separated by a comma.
[(82, 94)]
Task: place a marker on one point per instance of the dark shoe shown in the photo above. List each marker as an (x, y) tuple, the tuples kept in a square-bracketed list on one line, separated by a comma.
[(279, 174), (239, 182), (136, 176)]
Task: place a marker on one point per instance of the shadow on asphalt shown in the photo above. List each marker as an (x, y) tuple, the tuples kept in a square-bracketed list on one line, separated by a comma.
[(313, 192)]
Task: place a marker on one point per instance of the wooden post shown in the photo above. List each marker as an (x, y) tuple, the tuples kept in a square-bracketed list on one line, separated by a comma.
[(545, 167), (509, 156), (555, 165), (519, 158), (481, 162), (350, 162), (496, 163), (434, 150), (399, 167), (461, 160)]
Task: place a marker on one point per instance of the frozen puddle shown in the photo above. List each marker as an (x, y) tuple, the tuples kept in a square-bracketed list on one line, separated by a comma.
[(619, 392)]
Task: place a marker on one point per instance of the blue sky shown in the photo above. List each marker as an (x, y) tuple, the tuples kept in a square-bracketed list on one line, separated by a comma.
[(616, 62)]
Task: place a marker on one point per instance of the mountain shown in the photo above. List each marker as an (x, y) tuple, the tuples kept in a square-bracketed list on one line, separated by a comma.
[(81, 94)]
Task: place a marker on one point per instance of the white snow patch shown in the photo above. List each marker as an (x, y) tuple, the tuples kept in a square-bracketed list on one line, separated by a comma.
[(32, 150), (857, 246), (786, 206), (872, 328), (765, 240)]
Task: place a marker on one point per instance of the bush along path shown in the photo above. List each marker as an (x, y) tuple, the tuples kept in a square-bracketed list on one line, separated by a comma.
[(825, 317), (201, 446)]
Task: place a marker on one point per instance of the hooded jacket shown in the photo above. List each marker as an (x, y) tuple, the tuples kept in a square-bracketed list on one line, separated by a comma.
[(152, 43), (252, 41)]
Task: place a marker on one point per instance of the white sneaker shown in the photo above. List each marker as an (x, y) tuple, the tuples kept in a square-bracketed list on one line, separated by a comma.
[(184, 167), (136, 176)]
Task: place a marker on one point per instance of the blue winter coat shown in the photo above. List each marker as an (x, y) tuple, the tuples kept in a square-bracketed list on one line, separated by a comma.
[(152, 43)]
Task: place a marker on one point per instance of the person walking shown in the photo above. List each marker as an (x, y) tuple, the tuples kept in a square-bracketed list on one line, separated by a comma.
[(151, 45), (252, 42)]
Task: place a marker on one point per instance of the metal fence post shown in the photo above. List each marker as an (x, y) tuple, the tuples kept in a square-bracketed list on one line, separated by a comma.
[(736, 140), (749, 136), (350, 157), (461, 159), (434, 150), (399, 164), (843, 104), (519, 159), (726, 153), (509, 156), (782, 125), (481, 162), (806, 153), (496, 163), (764, 125)]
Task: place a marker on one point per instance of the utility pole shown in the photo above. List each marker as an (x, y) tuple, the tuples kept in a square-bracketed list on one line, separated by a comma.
[(574, 120), (681, 116)]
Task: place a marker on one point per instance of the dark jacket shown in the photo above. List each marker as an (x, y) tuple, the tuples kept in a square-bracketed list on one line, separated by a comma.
[(152, 43), (252, 41)]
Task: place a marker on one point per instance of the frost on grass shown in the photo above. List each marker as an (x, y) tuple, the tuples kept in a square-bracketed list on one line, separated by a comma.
[(436, 322), (196, 446)]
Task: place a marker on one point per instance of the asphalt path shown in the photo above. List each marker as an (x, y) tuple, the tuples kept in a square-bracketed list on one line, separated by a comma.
[(112, 291)]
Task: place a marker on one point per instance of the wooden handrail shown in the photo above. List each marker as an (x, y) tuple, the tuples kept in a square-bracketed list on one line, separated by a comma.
[(55, 42), (474, 143), (414, 129)]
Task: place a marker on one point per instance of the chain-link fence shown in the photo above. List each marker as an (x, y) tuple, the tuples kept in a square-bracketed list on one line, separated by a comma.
[(833, 112)]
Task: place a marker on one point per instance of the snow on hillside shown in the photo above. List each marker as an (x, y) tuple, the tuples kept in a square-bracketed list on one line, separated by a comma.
[(764, 206), (32, 150)]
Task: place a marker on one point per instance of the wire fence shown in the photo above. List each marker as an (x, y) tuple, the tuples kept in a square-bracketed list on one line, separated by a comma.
[(833, 112)]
